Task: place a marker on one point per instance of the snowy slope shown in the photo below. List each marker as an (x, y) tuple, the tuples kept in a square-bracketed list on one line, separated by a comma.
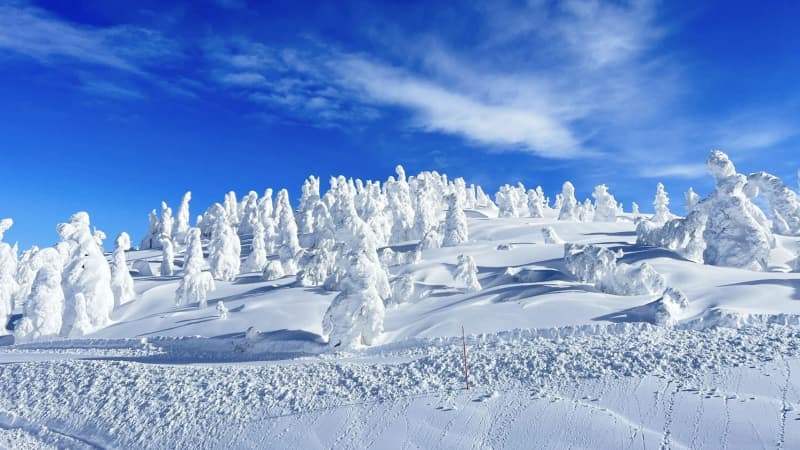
[(554, 362)]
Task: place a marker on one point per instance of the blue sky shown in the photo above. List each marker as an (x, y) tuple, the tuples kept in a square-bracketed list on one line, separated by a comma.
[(110, 107)]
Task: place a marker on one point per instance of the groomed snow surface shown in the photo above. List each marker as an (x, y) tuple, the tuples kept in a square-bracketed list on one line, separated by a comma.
[(554, 361)]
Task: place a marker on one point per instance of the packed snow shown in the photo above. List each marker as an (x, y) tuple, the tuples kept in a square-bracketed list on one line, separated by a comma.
[(337, 321)]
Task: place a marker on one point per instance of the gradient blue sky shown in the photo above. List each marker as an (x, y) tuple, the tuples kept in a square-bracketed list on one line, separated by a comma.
[(110, 107)]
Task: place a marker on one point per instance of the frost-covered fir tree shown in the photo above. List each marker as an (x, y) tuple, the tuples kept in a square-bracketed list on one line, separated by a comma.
[(195, 284), (222, 310), (466, 274), (568, 209), (355, 317), (506, 201), (231, 207), (182, 219), (257, 259), (692, 199), (121, 280), (725, 229), (225, 249), (550, 236), (605, 209), (86, 279), (167, 257), (737, 233), (635, 209), (783, 202), (273, 270), (250, 215), (153, 231), (661, 205), (27, 266), (44, 307), (317, 263), (167, 221), (536, 202), (308, 199), (398, 197), (288, 245), (426, 207), (265, 207), (455, 224), (8, 270)]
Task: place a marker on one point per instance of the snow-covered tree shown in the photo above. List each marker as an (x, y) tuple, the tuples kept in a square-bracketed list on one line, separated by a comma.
[(455, 224), (482, 200), (661, 205), (121, 280), (196, 283), (355, 316), (536, 202), (426, 207), (466, 274), (691, 199), (598, 266), (225, 248), (222, 310), (153, 229), (250, 215), (44, 309), (257, 259), (317, 263), (231, 207), (86, 279), (308, 199), (289, 248), (167, 257), (506, 201), (568, 209), (783, 202), (398, 197), (265, 207), (8, 271), (635, 209), (273, 270), (605, 206), (182, 220), (27, 266), (724, 229), (167, 222), (737, 234), (550, 236)]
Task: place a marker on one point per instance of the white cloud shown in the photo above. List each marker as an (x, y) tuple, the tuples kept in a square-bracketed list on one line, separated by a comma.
[(33, 32), (439, 109), (688, 171)]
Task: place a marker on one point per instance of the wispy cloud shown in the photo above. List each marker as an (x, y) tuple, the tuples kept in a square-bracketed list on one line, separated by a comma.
[(38, 34), (440, 109), (688, 171), (120, 51)]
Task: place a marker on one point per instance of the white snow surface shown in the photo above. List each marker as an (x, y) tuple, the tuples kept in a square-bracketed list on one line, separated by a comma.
[(554, 362)]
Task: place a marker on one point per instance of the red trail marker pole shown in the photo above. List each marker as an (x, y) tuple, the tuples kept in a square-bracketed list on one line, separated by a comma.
[(466, 368)]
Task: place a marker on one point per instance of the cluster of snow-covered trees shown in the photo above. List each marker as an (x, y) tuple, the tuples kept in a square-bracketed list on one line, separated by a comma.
[(329, 240), (346, 239), (66, 290), (727, 228)]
